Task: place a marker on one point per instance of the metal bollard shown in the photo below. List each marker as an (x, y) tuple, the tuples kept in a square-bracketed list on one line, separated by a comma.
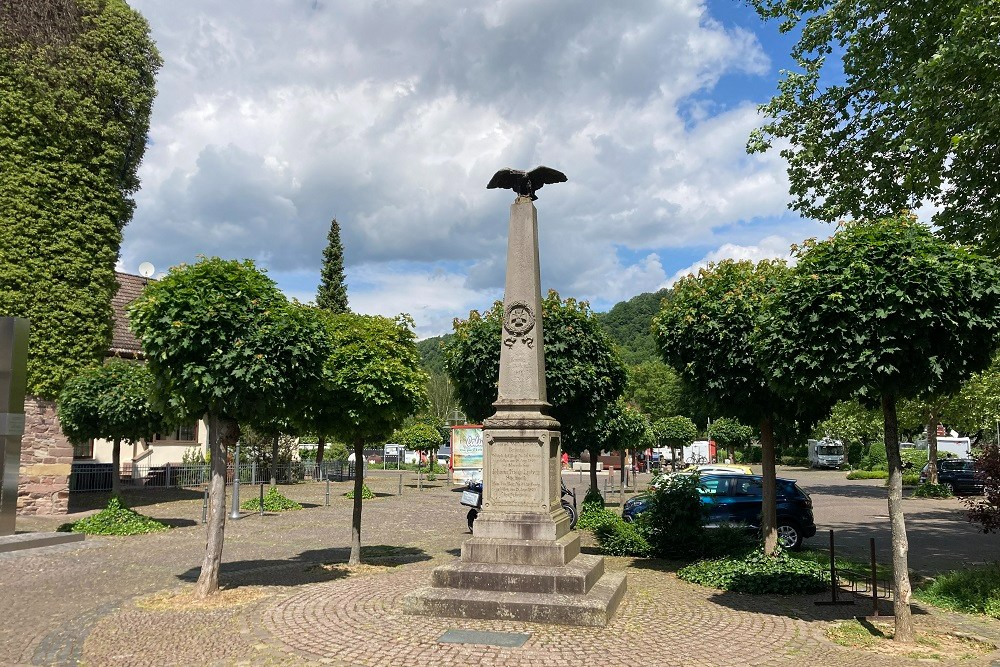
[(262, 498), (400, 484), (204, 507), (328, 492)]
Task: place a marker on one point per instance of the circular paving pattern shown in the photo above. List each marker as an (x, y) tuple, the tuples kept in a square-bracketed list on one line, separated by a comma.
[(358, 621)]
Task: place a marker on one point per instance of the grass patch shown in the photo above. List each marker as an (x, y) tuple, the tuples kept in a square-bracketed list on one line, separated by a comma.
[(876, 637), (115, 519), (973, 590), (274, 501), (758, 574)]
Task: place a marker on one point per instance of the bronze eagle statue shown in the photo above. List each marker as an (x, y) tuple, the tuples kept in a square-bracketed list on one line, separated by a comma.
[(525, 183)]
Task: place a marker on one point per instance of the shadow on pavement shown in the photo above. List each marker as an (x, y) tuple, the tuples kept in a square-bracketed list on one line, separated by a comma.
[(309, 567), (98, 500)]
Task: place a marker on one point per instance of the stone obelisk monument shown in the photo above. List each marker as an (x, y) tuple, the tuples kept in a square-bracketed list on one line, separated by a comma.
[(523, 562)]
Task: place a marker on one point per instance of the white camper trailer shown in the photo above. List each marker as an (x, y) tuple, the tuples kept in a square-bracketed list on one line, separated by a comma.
[(827, 453)]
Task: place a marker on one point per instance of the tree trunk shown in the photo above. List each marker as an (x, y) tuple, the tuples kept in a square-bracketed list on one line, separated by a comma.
[(900, 566), (319, 450), (274, 461), (593, 471), (624, 474), (359, 482), (116, 465), (731, 448), (932, 455), (222, 433), (769, 504)]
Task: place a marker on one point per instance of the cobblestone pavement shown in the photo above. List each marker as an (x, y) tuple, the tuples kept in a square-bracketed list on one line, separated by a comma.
[(77, 603)]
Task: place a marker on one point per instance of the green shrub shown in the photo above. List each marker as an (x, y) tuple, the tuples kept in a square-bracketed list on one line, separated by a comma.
[(618, 538), (274, 501), (855, 452), (970, 590), (729, 540), (911, 478), (115, 519), (673, 524), (759, 574), (593, 513), (868, 474), (366, 493), (928, 490), (876, 459), (793, 461)]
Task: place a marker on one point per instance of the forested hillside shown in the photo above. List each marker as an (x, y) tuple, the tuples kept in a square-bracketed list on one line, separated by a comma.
[(629, 325)]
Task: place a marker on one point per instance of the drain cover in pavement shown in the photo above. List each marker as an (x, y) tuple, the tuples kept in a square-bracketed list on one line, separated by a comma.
[(503, 639)]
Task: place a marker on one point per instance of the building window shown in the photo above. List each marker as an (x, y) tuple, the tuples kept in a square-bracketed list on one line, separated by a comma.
[(183, 433), (84, 451)]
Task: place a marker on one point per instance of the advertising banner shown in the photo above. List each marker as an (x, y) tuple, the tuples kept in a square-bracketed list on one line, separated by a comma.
[(466, 453)]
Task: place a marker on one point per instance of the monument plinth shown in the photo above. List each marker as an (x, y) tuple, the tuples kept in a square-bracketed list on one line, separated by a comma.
[(522, 562)]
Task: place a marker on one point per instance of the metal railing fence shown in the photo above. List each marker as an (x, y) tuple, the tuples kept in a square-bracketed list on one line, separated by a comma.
[(97, 476)]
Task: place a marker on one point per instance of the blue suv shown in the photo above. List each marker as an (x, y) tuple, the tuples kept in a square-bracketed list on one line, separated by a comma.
[(738, 499)]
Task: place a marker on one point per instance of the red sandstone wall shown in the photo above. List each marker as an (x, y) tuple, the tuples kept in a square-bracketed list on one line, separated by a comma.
[(46, 458)]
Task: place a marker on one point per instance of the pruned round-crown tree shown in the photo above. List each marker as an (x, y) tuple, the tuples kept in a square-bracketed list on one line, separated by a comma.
[(77, 87), (676, 433), (883, 310), (704, 332), (222, 341), (891, 104), (625, 429), (420, 437), (731, 434), (110, 402), (373, 381), (583, 373)]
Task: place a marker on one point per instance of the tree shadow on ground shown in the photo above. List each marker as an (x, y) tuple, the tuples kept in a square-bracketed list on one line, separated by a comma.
[(80, 501), (309, 567), (178, 523), (804, 606)]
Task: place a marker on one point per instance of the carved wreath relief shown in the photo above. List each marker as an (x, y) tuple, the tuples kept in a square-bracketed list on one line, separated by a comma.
[(518, 322)]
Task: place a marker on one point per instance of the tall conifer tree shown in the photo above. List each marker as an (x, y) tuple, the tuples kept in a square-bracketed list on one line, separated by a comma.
[(332, 292)]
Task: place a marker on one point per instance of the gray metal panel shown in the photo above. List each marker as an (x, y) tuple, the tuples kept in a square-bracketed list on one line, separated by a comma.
[(13, 381)]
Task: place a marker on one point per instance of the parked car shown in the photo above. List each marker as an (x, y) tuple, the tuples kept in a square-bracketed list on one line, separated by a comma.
[(721, 468), (737, 498), (959, 475)]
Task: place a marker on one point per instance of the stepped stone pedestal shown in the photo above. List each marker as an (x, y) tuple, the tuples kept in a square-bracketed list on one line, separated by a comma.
[(523, 562)]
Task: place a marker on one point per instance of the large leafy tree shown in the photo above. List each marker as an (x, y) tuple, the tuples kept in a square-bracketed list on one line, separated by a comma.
[(331, 295), (674, 432), (110, 402), (584, 375), (881, 311), (420, 437), (623, 428), (704, 332), (221, 340), (373, 382), (656, 389), (731, 434), (907, 112), (77, 86)]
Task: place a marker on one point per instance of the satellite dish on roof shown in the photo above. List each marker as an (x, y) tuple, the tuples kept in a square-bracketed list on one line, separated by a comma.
[(146, 269)]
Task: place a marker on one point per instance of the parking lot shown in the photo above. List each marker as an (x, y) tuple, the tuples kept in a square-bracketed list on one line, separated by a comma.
[(77, 603)]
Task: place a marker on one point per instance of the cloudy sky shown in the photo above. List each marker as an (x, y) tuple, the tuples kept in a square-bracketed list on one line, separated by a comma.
[(274, 117)]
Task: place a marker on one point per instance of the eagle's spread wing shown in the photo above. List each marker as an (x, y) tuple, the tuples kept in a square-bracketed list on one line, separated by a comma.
[(539, 176), (508, 179)]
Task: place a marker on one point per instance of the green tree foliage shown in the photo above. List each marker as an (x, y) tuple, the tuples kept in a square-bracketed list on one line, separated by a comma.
[(77, 86), (373, 382), (880, 311), (420, 437), (906, 113), (674, 432), (332, 292), (221, 340), (628, 323), (432, 353), (704, 332), (109, 402), (583, 373), (855, 425), (656, 389), (731, 434)]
